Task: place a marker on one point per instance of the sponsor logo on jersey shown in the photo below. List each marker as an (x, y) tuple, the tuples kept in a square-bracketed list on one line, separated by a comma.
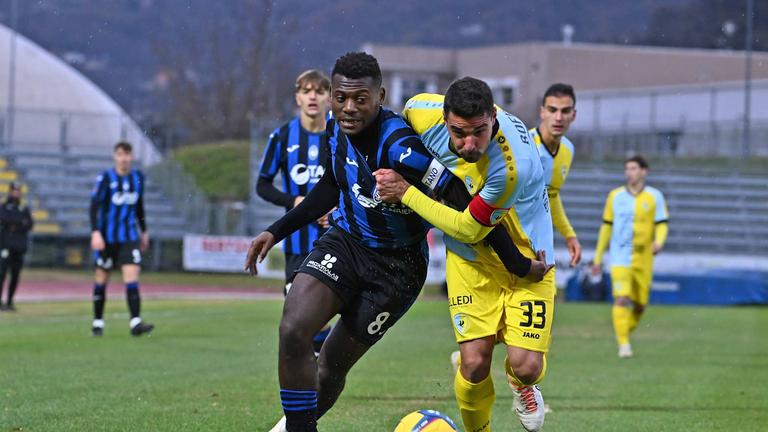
[(434, 171), (352, 162), (530, 335), (302, 174), (364, 200), (292, 148), (123, 198)]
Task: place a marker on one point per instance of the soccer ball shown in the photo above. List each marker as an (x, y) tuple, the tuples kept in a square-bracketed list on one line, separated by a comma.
[(426, 421)]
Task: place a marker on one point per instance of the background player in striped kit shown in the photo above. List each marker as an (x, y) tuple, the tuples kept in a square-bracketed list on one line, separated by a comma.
[(296, 150), (119, 235), (635, 224), (557, 112)]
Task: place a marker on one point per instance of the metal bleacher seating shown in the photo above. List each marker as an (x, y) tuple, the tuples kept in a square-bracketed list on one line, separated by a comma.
[(59, 190), (710, 212)]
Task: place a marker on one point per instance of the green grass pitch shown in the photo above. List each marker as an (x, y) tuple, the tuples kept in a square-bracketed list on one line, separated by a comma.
[(211, 366)]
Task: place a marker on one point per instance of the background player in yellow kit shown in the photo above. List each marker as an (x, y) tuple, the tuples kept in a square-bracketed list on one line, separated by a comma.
[(557, 112), (493, 153), (635, 222)]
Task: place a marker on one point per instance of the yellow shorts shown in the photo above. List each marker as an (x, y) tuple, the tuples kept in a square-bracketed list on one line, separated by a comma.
[(486, 300), (632, 282)]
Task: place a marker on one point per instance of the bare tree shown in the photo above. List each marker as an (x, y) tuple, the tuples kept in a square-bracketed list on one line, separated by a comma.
[(217, 63)]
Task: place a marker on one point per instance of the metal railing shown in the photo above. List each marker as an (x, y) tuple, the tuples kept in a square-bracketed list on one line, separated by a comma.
[(184, 194)]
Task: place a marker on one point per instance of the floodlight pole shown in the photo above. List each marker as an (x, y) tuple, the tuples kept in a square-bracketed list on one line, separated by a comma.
[(748, 79), (12, 74)]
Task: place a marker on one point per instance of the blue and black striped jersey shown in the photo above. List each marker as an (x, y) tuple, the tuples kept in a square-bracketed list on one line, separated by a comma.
[(361, 212), (299, 155), (117, 206)]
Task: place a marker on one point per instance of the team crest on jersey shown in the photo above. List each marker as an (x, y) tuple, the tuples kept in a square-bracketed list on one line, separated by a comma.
[(461, 322), (645, 206), (563, 171), (496, 216), (469, 184), (313, 152)]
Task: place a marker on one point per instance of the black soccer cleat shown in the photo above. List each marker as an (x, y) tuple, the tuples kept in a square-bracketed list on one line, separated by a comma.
[(141, 328), (97, 331)]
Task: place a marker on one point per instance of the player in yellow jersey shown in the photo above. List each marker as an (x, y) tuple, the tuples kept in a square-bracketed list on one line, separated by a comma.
[(557, 112), (493, 153), (635, 224)]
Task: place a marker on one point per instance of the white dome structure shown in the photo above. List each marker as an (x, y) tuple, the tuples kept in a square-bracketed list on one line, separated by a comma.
[(56, 108)]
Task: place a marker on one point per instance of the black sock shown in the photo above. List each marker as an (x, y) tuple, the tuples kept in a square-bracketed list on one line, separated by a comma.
[(300, 408), (134, 301), (99, 298)]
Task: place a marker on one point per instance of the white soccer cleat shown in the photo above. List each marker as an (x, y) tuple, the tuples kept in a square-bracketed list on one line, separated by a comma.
[(625, 351), (455, 361), (280, 426), (528, 403)]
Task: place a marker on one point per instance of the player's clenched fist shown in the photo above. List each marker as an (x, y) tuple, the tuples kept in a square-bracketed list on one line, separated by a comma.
[(258, 250), (391, 185)]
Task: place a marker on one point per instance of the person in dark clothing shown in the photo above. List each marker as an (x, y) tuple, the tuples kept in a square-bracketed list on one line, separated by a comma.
[(15, 224)]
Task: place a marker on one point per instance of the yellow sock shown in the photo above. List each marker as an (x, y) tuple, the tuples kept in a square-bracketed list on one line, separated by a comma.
[(622, 317), (475, 402), (515, 381), (635, 320)]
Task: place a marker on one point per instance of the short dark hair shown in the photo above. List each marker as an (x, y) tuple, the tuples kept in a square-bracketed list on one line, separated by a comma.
[(356, 65), (313, 76), (639, 160), (124, 146), (559, 89), (468, 97)]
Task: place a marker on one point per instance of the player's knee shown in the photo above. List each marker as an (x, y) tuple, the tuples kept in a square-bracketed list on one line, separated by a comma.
[(622, 301), (293, 334), (475, 365), (529, 371)]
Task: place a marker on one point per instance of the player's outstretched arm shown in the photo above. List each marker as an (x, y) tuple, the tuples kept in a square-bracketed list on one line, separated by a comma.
[(460, 225), (318, 202)]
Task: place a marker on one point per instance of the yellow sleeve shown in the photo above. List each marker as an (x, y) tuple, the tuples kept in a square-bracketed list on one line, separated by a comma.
[(460, 225), (602, 242), (660, 235), (559, 218), (605, 230)]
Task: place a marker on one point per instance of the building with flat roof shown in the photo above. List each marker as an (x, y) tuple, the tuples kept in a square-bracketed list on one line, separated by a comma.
[(520, 73)]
